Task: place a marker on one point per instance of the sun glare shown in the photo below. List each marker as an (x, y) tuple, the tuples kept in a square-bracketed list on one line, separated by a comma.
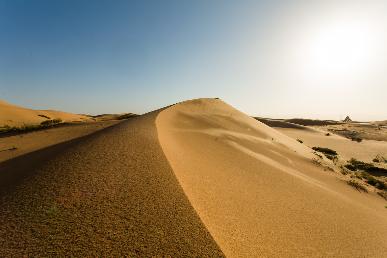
[(338, 50), (342, 49)]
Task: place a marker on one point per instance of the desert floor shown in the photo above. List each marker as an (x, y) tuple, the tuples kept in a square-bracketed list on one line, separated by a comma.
[(365, 150)]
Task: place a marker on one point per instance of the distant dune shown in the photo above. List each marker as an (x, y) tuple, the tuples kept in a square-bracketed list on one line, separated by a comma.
[(195, 179), (311, 122), (11, 115), (279, 123)]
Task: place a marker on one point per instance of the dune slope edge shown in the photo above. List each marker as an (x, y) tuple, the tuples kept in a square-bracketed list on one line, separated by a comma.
[(112, 193), (257, 191)]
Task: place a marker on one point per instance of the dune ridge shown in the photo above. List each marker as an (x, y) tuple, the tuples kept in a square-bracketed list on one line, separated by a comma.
[(257, 191)]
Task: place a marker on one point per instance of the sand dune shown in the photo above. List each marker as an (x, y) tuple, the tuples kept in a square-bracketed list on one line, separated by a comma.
[(110, 194), (12, 115), (281, 124), (258, 193), (196, 179)]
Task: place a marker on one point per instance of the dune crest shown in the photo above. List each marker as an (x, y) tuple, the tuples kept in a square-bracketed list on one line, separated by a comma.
[(257, 191)]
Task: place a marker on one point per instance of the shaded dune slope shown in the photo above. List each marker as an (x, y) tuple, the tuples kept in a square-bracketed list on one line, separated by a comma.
[(112, 193), (257, 191)]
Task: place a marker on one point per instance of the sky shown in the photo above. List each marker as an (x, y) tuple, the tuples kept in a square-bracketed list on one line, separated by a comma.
[(281, 59)]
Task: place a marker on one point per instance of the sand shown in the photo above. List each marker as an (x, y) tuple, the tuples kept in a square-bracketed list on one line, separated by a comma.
[(195, 179), (108, 194), (366, 150), (257, 192), (11, 115)]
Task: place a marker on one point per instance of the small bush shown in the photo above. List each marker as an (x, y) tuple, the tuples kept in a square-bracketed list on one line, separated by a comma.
[(51, 122), (373, 181), (331, 157), (325, 150), (354, 165), (356, 139), (329, 153), (300, 141), (350, 167), (327, 134), (343, 170), (357, 185)]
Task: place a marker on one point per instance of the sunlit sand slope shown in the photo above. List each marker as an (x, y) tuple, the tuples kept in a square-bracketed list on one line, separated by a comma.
[(257, 191), (110, 194), (12, 115)]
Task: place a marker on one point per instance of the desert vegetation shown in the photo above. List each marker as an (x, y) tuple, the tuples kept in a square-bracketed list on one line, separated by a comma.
[(362, 173), (357, 165), (329, 153), (28, 128), (357, 185), (379, 159)]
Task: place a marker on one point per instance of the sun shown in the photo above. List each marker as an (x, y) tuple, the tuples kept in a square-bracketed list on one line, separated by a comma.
[(341, 49), (338, 50)]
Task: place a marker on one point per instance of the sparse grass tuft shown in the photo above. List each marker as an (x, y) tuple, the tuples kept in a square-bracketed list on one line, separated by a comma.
[(343, 171), (329, 153), (379, 159), (383, 194), (316, 162), (357, 185), (318, 155), (373, 181), (354, 165), (331, 157)]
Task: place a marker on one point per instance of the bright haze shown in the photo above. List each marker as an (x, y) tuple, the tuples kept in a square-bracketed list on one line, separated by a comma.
[(280, 59)]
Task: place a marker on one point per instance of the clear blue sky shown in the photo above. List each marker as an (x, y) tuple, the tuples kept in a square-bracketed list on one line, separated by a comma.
[(134, 56)]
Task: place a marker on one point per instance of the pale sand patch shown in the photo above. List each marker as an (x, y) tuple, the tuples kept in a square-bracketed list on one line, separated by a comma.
[(346, 148), (261, 196)]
